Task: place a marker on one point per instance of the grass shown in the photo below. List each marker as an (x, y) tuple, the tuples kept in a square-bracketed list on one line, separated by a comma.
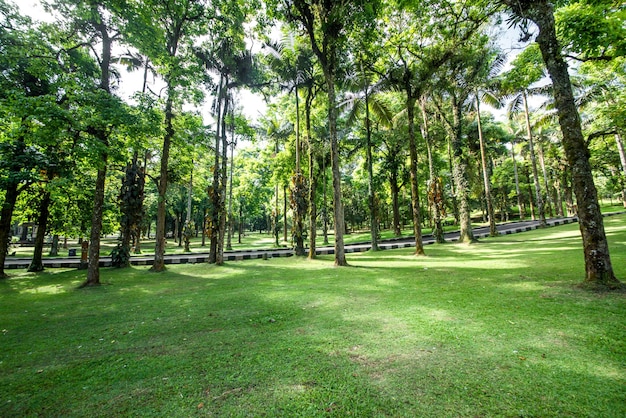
[(493, 329), (254, 240)]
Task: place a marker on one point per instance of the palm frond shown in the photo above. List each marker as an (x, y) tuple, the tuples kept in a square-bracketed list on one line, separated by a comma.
[(492, 99), (515, 105)]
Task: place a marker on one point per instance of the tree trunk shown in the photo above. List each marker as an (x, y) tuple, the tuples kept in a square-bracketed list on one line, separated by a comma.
[(44, 211), (298, 191), (8, 206), (546, 181), (622, 158), (93, 270), (598, 269), (339, 223), (533, 163), (435, 191), (461, 182), (159, 248), (285, 213), (324, 204), (415, 198), (370, 176), (54, 246), (223, 187), (215, 188), (395, 204), (312, 180), (520, 207), (229, 236), (493, 232), (455, 204)]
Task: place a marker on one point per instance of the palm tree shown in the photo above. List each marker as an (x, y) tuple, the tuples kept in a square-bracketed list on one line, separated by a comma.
[(527, 69), (362, 102), (294, 64), (486, 91)]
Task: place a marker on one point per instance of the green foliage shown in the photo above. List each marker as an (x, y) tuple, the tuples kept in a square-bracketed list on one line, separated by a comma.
[(526, 69), (593, 29), (120, 255)]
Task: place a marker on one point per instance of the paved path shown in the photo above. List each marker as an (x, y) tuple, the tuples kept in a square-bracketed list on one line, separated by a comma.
[(503, 229)]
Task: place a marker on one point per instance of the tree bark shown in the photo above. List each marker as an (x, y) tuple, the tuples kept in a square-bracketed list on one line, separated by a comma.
[(223, 187), (533, 162), (395, 204), (8, 206), (435, 191), (215, 188), (598, 268), (339, 222), (370, 176), (36, 263), (459, 173), (93, 270), (520, 207), (415, 203), (229, 236), (298, 191), (622, 158), (159, 248), (312, 179), (493, 232)]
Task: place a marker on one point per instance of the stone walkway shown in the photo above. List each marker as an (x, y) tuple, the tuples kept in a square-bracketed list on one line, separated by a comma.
[(192, 258)]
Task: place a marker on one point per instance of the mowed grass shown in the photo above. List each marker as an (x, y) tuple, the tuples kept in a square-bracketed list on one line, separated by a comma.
[(495, 329)]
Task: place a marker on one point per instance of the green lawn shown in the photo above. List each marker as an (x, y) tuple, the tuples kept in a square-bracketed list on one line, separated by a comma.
[(495, 329)]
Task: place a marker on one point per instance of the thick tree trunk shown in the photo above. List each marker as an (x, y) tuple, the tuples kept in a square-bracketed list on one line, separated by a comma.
[(598, 269), (8, 206), (36, 263), (415, 198)]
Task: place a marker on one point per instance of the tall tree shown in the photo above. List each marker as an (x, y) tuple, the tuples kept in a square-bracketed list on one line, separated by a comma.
[(493, 65), (26, 88), (94, 25), (326, 23), (526, 70), (164, 31), (598, 267), (363, 104)]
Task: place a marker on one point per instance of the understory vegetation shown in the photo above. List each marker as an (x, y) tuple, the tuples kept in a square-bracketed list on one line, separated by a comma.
[(496, 328)]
